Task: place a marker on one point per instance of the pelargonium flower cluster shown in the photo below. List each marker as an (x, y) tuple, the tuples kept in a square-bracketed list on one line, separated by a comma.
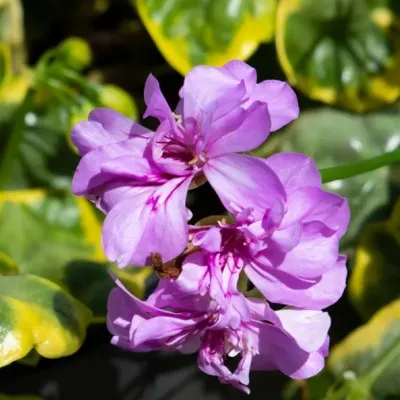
[(280, 234)]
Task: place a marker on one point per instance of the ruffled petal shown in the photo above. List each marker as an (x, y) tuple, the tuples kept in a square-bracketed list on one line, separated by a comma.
[(253, 131), (119, 313), (138, 226), (209, 240), (295, 170), (243, 182), (277, 350), (88, 175), (282, 288), (194, 278), (210, 90), (316, 252), (117, 125), (134, 168), (244, 72), (314, 365), (308, 328), (281, 99), (310, 204), (162, 328), (155, 101)]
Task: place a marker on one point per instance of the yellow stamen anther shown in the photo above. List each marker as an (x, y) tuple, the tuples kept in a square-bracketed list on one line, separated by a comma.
[(194, 160)]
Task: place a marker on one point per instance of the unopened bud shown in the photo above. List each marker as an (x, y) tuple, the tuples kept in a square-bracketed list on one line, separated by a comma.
[(75, 53)]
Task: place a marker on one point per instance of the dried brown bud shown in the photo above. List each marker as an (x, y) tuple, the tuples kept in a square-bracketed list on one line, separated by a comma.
[(171, 269)]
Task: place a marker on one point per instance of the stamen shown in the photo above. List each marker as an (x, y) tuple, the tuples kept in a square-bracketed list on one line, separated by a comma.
[(177, 117), (194, 160)]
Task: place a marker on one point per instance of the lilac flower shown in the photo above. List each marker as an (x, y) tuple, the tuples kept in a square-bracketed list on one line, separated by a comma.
[(292, 341), (288, 249), (140, 178)]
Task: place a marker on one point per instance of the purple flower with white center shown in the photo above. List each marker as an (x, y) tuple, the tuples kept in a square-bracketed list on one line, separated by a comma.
[(140, 178), (288, 249), (292, 341)]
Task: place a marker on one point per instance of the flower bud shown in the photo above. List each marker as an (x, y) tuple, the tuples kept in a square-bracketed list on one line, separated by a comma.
[(112, 96), (75, 53)]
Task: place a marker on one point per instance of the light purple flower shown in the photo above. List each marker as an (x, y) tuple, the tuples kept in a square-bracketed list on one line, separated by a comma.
[(289, 249), (140, 178), (292, 341)]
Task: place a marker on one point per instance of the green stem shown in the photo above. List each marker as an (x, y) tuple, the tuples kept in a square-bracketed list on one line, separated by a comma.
[(349, 170), (15, 138)]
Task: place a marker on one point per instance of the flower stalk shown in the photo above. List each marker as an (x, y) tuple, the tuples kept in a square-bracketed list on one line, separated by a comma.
[(358, 168)]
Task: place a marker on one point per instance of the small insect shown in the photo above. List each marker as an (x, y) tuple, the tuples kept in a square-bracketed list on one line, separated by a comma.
[(171, 269)]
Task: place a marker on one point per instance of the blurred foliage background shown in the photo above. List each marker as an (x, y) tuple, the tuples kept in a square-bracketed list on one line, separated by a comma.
[(59, 59)]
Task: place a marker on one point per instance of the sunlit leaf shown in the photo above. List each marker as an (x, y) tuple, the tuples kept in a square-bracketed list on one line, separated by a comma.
[(344, 52), (372, 351), (375, 278), (314, 388), (36, 313), (58, 237), (7, 265), (12, 32), (23, 397), (332, 137), (45, 158), (5, 65), (189, 33)]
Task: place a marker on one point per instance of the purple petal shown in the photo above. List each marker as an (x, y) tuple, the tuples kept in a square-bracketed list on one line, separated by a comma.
[(115, 192), (295, 170), (119, 313), (287, 239), (278, 351), (243, 182), (138, 226), (308, 328), (173, 294), (88, 175), (162, 328), (210, 90), (250, 134), (244, 72), (133, 167), (280, 287), (194, 277), (315, 253), (209, 240), (281, 99), (88, 135), (117, 125), (309, 204), (315, 364), (155, 101)]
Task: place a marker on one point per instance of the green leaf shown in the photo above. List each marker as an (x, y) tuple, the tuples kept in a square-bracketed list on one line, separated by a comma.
[(372, 353), (31, 359), (57, 236), (12, 31), (23, 397), (44, 159), (5, 65), (189, 33), (349, 52), (7, 265), (37, 314), (314, 388), (375, 277), (332, 137)]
